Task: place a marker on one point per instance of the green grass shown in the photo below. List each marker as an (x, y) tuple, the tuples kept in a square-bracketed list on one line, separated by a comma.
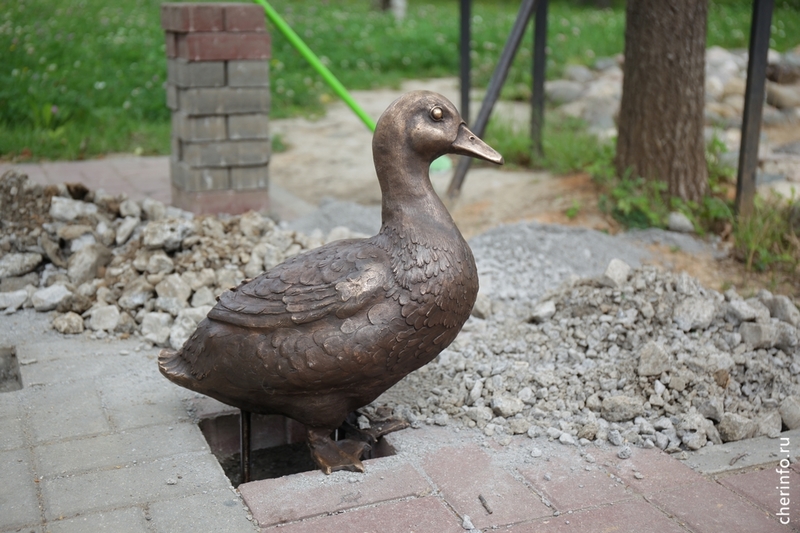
[(80, 78)]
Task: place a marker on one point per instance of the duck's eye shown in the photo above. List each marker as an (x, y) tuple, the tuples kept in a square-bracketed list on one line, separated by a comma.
[(437, 114)]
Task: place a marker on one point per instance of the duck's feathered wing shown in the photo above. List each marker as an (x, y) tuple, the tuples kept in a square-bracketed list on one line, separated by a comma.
[(311, 320)]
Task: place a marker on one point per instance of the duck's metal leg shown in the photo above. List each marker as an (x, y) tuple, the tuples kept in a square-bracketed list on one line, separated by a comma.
[(244, 426)]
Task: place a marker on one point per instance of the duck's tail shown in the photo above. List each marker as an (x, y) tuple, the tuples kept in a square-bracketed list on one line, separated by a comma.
[(175, 368)]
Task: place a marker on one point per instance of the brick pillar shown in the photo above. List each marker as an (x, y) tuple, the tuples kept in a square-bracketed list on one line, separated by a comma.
[(218, 91)]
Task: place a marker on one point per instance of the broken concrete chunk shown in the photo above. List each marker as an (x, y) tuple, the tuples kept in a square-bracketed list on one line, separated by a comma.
[(653, 359), (694, 313), (18, 264), (622, 408), (735, 427), (616, 273)]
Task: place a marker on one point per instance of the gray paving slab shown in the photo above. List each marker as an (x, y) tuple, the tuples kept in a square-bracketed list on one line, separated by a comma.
[(139, 399), (125, 448), (167, 478), (76, 366), (19, 503), (57, 411), (745, 453), (129, 520), (220, 510), (11, 432)]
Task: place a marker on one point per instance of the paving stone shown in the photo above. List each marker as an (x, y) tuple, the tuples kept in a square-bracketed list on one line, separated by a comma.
[(250, 126), (118, 449), (224, 100), (247, 178), (463, 474), (210, 128), (135, 400), (18, 500), (248, 73), (571, 486), (56, 412), (74, 367), (748, 453), (126, 486), (219, 510), (657, 469), (707, 507), (764, 487), (130, 520), (417, 515), (275, 501), (11, 432), (626, 517), (189, 178), (183, 73), (226, 153)]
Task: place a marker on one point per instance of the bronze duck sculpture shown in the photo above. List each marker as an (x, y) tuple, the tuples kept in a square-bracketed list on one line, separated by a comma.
[(329, 330)]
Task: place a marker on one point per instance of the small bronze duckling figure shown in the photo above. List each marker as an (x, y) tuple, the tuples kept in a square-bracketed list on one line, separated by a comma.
[(329, 330)]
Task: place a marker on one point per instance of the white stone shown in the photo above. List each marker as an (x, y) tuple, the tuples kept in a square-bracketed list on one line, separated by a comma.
[(67, 209), (543, 311), (616, 273), (735, 427), (11, 301), (166, 233), (790, 412), (653, 359), (153, 209), (104, 318), (18, 264), (202, 297), (50, 298), (173, 286), (507, 406), (156, 327), (622, 408), (758, 335), (83, 265), (68, 323), (129, 208), (694, 313), (677, 221), (125, 229), (136, 293)]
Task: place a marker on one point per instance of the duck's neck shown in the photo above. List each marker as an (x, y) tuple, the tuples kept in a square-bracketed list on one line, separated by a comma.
[(408, 198)]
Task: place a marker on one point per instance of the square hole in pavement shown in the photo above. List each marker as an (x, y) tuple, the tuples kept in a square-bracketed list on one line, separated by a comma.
[(278, 446), (10, 380)]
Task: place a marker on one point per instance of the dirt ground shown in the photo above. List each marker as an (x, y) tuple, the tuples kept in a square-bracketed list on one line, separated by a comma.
[(331, 157)]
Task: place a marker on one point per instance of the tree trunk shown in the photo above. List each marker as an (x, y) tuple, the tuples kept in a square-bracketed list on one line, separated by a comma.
[(663, 93)]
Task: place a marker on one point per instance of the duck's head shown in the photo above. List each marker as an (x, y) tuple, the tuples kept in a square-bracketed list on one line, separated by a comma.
[(421, 126)]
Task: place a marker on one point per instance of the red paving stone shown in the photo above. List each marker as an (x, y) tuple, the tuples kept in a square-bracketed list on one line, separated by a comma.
[(421, 515), (658, 471), (571, 486), (464, 474), (635, 516), (764, 488), (291, 498), (708, 507)]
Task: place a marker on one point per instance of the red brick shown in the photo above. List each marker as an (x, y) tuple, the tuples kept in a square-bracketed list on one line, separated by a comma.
[(763, 488), (222, 46), (213, 202), (627, 517), (707, 507), (192, 17), (172, 44), (310, 494), (420, 515), (658, 470), (464, 474), (571, 486), (244, 17)]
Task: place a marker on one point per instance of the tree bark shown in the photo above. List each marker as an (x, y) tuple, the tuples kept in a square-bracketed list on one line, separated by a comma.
[(663, 94)]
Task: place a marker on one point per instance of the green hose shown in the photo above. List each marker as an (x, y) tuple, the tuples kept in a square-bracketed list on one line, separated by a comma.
[(312, 58), (443, 163)]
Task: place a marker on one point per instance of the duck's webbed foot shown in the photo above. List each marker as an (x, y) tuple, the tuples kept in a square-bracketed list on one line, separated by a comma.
[(374, 427), (333, 455)]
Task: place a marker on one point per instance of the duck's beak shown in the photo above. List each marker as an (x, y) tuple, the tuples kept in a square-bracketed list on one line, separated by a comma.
[(467, 143)]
